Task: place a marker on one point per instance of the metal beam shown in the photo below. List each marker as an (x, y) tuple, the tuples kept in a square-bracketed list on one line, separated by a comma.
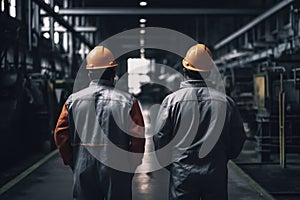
[(29, 25), (276, 52), (157, 11), (253, 23), (86, 28), (77, 29), (52, 25), (61, 21)]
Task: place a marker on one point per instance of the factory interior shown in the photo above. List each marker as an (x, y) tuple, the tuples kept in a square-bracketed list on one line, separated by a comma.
[(255, 47)]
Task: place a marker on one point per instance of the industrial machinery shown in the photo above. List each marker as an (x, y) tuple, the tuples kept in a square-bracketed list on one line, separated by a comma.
[(28, 101), (28, 111), (269, 46), (277, 102), (239, 86)]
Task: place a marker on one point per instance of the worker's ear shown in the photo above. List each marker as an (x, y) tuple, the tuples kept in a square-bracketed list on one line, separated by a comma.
[(115, 79), (89, 75), (184, 72)]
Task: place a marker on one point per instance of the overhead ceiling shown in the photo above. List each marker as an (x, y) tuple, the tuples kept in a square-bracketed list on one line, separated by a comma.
[(205, 21)]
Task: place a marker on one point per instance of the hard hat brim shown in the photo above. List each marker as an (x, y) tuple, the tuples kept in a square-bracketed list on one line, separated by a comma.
[(91, 67), (191, 67)]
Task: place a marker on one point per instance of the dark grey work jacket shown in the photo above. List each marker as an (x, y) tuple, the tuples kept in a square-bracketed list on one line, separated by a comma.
[(199, 128)]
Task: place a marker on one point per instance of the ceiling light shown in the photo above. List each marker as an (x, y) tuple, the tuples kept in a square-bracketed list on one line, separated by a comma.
[(142, 31), (56, 8), (46, 35), (143, 3), (142, 20), (56, 37), (142, 42)]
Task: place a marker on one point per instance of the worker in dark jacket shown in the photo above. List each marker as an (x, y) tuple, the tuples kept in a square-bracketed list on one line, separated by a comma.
[(200, 129), (95, 124)]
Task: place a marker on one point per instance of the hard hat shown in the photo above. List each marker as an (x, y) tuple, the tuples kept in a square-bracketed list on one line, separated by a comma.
[(198, 58), (100, 58)]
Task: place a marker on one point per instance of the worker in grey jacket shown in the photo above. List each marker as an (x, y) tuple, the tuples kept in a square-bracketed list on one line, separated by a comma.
[(99, 129), (198, 130)]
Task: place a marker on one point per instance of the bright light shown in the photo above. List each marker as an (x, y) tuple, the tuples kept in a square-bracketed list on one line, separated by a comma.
[(138, 66), (46, 22), (13, 3), (46, 35), (56, 8), (142, 42), (2, 5), (12, 11), (65, 41), (12, 8), (47, 1), (142, 31), (56, 37), (142, 50), (142, 25), (143, 3), (42, 12), (142, 20)]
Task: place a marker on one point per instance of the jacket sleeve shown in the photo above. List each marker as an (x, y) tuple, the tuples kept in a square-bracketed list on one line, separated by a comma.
[(163, 135), (163, 126), (62, 137), (137, 128), (237, 134)]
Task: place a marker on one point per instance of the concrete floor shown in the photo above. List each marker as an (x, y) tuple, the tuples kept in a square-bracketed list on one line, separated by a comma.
[(281, 183), (53, 181)]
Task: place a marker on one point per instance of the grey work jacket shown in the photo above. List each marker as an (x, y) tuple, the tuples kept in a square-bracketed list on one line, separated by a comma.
[(197, 124), (105, 121)]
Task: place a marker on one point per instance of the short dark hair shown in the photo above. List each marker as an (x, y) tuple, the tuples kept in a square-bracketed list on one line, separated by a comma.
[(195, 74), (103, 74)]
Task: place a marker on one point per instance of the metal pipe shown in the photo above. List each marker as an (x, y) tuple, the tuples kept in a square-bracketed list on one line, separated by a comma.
[(253, 23), (282, 123), (37, 19), (77, 29), (52, 25), (61, 21), (157, 11), (264, 163), (29, 25)]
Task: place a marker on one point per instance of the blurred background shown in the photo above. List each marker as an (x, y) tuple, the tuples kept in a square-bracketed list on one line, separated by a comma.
[(255, 45)]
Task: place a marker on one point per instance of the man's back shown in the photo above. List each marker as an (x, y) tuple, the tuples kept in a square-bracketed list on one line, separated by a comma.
[(99, 130), (101, 115), (204, 130)]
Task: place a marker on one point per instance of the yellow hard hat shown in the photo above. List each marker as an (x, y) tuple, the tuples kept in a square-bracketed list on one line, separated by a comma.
[(198, 58), (100, 58)]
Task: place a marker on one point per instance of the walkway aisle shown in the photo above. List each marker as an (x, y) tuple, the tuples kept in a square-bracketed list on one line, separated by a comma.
[(53, 181)]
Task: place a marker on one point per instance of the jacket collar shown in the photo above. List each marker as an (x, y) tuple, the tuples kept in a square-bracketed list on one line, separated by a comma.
[(101, 82), (193, 83)]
